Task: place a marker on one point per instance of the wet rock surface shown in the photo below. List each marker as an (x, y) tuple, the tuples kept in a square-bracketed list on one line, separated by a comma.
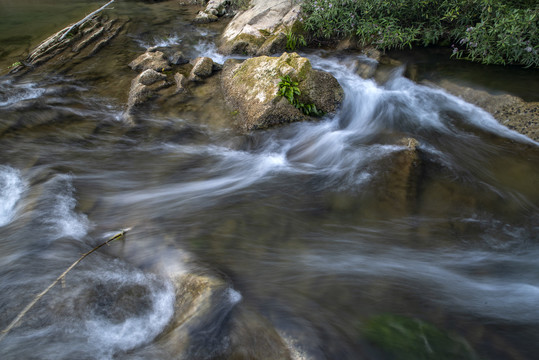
[(251, 89), (154, 60), (143, 88), (75, 43), (202, 68), (509, 110)]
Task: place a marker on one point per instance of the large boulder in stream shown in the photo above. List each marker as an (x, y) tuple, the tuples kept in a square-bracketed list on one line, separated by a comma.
[(260, 29), (251, 90)]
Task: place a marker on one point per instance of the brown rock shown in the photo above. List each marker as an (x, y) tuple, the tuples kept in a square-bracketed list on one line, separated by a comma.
[(181, 81), (149, 77), (155, 60), (509, 110), (202, 68), (179, 58)]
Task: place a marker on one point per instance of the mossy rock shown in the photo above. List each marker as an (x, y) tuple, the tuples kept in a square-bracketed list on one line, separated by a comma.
[(252, 88), (407, 338)]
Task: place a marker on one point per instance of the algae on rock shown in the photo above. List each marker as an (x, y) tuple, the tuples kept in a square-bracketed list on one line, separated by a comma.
[(252, 87)]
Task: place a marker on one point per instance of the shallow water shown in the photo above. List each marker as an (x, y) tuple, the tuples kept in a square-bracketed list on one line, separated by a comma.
[(306, 232)]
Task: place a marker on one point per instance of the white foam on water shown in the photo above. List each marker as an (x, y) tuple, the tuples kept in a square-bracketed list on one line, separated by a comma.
[(58, 210), (164, 41), (136, 330), (12, 93), (403, 105), (12, 186), (233, 296), (446, 277), (208, 49)]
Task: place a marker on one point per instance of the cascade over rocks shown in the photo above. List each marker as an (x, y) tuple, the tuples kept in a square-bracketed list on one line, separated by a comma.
[(251, 89), (259, 30), (509, 110)]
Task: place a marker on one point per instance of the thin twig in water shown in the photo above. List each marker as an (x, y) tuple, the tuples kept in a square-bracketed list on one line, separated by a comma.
[(61, 277)]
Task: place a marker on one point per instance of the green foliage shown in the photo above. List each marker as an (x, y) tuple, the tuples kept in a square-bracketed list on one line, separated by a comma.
[(15, 64), (504, 36), (289, 89), (412, 339), (293, 41), (490, 31)]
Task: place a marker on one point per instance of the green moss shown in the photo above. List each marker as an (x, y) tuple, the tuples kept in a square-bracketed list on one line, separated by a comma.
[(264, 32), (412, 339), (250, 39)]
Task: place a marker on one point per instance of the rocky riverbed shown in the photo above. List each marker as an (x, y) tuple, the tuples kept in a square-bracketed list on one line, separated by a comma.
[(259, 231)]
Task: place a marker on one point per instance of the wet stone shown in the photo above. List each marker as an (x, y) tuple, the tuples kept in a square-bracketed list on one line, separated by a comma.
[(178, 58), (150, 60), (181, 81), (149, 77), (202, 68)]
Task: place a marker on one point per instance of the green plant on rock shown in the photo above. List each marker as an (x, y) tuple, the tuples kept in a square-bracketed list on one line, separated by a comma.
[(289, 89), (293, 40), (14, 65)]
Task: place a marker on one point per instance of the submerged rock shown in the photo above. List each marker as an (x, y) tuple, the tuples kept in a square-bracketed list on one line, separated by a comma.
[(254, 337), (251, 89), (143, 88), (399, 180), (181, 81), (73, 42), (256, 30), (409, 338), (509, 110)]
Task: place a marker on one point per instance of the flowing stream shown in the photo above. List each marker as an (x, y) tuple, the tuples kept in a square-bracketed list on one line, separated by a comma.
[(301, 234)]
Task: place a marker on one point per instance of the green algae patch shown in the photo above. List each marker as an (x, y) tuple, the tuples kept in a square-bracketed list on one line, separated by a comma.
[(413, 339)]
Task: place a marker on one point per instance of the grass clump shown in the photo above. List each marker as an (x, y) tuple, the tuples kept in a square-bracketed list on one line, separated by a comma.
[(489, 31)]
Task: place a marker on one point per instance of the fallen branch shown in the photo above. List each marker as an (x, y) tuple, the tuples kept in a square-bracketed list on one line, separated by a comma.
[(88, 17), (61, 277)]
